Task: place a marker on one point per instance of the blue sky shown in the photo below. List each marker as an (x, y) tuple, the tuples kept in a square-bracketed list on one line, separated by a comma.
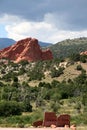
[(3, 32), (46, 20)]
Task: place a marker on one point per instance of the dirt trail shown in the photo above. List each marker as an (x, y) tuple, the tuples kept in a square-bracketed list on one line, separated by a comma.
[(35, 128)]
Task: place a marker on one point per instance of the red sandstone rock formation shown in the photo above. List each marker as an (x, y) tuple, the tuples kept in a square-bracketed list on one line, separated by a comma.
[(26, 49), (83, 53)]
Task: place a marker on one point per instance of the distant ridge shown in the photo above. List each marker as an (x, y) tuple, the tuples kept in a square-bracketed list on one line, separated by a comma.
[(67, 47), (44, 44), (5, 42)]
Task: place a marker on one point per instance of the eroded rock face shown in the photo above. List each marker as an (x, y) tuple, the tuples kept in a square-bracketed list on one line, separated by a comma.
[(26, 49)]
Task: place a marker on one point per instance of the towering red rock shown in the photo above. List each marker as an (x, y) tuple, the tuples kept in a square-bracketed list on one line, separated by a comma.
[(26, 49)]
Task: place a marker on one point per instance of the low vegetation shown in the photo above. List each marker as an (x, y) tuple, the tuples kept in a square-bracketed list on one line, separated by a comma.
[(25, 88), (69, 46)]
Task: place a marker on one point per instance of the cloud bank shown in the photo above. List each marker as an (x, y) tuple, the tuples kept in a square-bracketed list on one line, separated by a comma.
[(46, 20)]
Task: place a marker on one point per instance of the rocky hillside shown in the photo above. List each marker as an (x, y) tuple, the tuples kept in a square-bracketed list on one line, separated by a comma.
[(26, 49), (67, 47)]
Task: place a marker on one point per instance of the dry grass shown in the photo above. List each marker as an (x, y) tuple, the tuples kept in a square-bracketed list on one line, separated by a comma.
[(70, 72), (82, 128)]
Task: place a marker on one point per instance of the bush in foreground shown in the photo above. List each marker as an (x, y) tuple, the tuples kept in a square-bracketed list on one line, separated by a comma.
[(8, 108)]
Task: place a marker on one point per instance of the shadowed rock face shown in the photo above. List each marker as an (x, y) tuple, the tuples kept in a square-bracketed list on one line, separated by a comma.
[(26, 49)]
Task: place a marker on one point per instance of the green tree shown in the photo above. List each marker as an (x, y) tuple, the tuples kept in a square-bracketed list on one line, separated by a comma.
[(36, 75), (55, 106), (83, 58), (79, 67), (84, 99), (27, 105), (56, 73), (15, 79), (81, 78), (1, 84), (75, 57), (24, 62), (8, 108)]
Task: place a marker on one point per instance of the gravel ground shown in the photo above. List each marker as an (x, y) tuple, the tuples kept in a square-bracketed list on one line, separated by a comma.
[(35, 128)]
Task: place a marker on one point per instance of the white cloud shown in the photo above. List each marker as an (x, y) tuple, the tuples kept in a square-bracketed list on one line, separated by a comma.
[(9, 19), (40, 30), (48, 30)]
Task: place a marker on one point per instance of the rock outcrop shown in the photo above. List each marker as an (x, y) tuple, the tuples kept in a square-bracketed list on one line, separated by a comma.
[(83, 53), (26, 49)]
